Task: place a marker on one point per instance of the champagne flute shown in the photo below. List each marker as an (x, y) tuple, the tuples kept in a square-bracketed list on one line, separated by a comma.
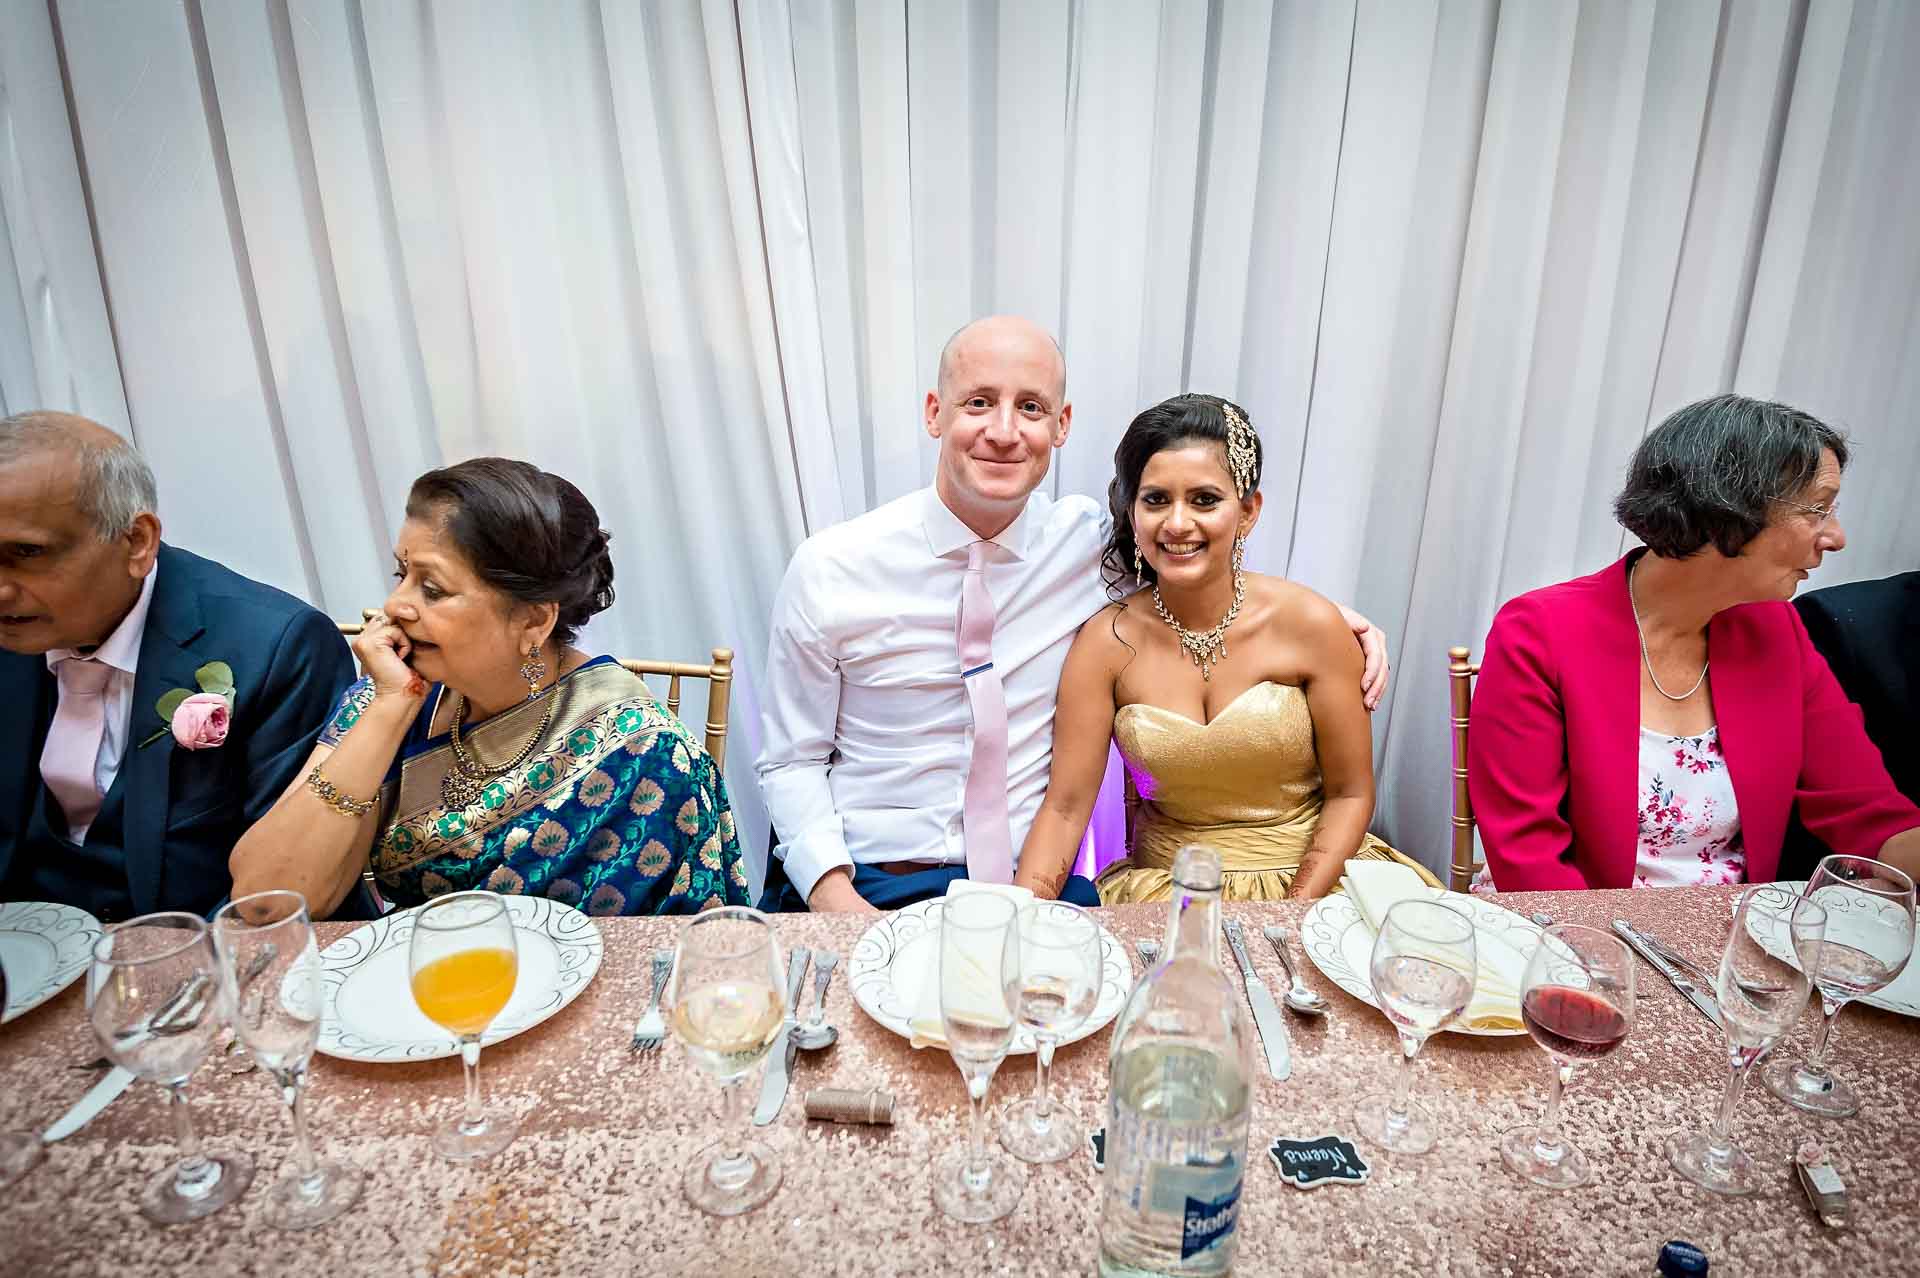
[(1423, 974), (1053, 986), (1869, 940), (463, 963), (728, 1004), (1761, 996), (1577, 1001), (153, 998), (979, 959), (270, 966), (19, 1151)]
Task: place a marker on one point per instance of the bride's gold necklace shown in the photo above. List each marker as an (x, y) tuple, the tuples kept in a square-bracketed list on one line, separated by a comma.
[(468, 776), (1209, 646)]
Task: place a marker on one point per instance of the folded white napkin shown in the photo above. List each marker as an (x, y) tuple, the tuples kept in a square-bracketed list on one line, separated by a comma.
[(982, 975), (1378, 886)]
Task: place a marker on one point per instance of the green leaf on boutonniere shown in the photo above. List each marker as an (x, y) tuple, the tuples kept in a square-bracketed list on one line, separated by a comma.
[(215, 677), (170, 702)]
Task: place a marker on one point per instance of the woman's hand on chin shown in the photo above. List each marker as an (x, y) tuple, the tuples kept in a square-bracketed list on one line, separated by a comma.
[(382, 650)]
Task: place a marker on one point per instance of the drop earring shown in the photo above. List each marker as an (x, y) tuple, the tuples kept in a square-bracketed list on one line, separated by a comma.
[(1139, 568), (533, 671)]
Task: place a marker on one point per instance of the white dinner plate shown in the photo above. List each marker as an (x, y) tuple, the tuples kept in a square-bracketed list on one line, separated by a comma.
[(368, 1013), (1339, 942), (1903, 996), (44, 948), (901, 951)]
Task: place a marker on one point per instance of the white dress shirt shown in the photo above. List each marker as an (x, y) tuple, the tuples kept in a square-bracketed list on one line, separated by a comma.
[(868, 731), (121, 651)]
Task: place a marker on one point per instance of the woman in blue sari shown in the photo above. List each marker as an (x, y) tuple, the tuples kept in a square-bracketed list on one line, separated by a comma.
[(482, 749)]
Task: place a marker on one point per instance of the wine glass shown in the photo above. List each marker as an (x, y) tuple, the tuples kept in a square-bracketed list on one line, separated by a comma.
[(153, 998), (1761, 996), (463, 963), (1869, 939), (271, 968), (979, 960), (19, 1151), (1577, 1001), (727, 1008), (1423, 974), (1053, 986)]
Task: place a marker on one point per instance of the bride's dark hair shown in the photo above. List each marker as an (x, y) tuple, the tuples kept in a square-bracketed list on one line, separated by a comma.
[(1168, 424)]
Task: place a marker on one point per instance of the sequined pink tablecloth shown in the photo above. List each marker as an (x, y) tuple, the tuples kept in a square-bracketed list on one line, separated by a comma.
[(593, 1184)]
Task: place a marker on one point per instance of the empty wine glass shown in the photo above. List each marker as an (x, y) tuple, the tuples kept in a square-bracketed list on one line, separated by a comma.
[(463, 962), (271, 967), (1868, 942), (1577, 1002), (1762, 994), (1423, 974), (153, 1000), (979, 959), (1054, 986), (727, 1008), (19, 1151)]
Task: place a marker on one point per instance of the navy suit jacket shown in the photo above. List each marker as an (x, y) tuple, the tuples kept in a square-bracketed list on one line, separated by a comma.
[(1869, 632), (183, 810)]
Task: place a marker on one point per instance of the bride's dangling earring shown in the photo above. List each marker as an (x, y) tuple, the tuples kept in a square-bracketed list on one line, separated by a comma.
[(1139, 568), (1239, 555)]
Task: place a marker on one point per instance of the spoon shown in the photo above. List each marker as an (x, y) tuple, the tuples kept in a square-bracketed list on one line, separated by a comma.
[(1298, 996), (1149, 952), (816, 1034)]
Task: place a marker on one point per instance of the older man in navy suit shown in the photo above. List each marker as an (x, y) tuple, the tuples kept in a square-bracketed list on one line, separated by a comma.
[(104, 803)]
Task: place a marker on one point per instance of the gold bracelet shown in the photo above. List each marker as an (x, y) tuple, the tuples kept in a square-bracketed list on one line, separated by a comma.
[(344, 804)]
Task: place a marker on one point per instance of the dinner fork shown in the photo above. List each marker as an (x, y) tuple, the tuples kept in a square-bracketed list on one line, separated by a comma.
[(652, 1029)]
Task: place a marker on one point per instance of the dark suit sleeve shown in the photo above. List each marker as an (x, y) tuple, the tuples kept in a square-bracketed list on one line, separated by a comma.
[(1830, 638), (1843, 795), (310, 666)]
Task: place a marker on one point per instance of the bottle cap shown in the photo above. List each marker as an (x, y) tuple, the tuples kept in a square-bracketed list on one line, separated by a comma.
[(1681, 1260)]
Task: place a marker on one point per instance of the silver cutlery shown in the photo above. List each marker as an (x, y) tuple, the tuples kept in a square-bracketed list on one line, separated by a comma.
[(102, 1094), (1708, 1005), (816, 1035), (1149, 952), (1266, 1013), (773, 1085), (651, 1030), (1298, 997)]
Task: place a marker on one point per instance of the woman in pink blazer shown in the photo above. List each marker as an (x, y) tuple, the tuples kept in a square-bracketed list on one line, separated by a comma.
[(1656, 723)]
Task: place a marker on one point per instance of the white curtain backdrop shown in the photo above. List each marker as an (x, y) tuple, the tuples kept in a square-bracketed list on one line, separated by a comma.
[(1454, 256)]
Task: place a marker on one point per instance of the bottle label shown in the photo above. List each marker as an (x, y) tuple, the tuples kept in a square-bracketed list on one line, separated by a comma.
[(1208, 1222)]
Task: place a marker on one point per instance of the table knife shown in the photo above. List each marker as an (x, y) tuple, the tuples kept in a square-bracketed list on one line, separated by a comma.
[(1266, 1012), (773, 1087), (1708, 1005), (116, 1081)]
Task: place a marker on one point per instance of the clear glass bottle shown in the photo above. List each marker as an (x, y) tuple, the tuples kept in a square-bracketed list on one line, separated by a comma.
[(1179, 1090)]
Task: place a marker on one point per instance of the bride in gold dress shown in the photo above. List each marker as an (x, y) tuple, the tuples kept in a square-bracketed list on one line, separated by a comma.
[(1234, 698)]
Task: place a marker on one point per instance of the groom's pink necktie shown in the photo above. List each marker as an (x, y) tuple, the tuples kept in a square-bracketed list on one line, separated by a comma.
[(73, 740), (988, 840)]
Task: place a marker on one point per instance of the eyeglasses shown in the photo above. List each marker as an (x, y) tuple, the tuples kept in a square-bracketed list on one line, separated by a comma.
[(1821, 514)]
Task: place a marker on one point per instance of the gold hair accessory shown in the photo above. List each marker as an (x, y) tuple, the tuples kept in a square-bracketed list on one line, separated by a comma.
[(1241, 453), (346, 805)]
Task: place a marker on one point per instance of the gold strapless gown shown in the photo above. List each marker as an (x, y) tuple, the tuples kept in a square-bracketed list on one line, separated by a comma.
[(1247, 784)]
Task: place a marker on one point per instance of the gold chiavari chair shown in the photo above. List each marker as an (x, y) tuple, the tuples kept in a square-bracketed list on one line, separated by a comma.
[(1460, 675), (719, 677)]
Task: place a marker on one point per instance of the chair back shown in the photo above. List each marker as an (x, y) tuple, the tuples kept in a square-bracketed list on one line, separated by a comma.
[(719, 677), (1460, 675)]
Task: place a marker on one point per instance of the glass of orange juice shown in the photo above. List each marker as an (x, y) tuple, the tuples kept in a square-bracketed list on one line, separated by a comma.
[(463, 961)]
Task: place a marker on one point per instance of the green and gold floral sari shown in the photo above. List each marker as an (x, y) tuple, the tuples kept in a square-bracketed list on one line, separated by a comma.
[(618, 810)]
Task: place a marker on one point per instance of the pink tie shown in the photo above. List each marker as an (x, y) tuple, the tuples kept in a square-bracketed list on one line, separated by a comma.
[(989, 842), (73, 742)]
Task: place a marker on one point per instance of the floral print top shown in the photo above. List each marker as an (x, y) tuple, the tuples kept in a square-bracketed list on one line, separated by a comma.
[(1689, 822)]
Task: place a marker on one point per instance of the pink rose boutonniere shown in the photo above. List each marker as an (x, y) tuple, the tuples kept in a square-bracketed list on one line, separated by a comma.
[(199, 719)]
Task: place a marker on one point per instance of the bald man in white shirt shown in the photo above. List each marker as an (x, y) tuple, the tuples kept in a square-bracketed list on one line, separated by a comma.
[(890, 762)]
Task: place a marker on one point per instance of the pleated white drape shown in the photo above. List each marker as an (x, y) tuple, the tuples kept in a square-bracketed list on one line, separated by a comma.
[(1455, 256)]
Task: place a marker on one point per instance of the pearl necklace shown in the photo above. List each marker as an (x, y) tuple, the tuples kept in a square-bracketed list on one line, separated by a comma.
[(1647, 660), (1208, 646)]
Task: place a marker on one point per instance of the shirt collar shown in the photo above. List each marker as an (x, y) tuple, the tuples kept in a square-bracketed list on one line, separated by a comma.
[(947, 535), (122, 648)]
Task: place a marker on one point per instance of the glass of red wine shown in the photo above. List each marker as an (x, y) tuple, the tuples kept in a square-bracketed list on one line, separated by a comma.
[(1577, 1002)]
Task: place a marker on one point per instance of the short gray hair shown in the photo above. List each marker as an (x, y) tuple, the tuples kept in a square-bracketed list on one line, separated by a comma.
[(116, 484), (1710, 473)]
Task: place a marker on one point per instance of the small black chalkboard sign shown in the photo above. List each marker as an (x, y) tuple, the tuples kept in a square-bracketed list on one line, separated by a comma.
[(1097, 1138), (1308, 1164)]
